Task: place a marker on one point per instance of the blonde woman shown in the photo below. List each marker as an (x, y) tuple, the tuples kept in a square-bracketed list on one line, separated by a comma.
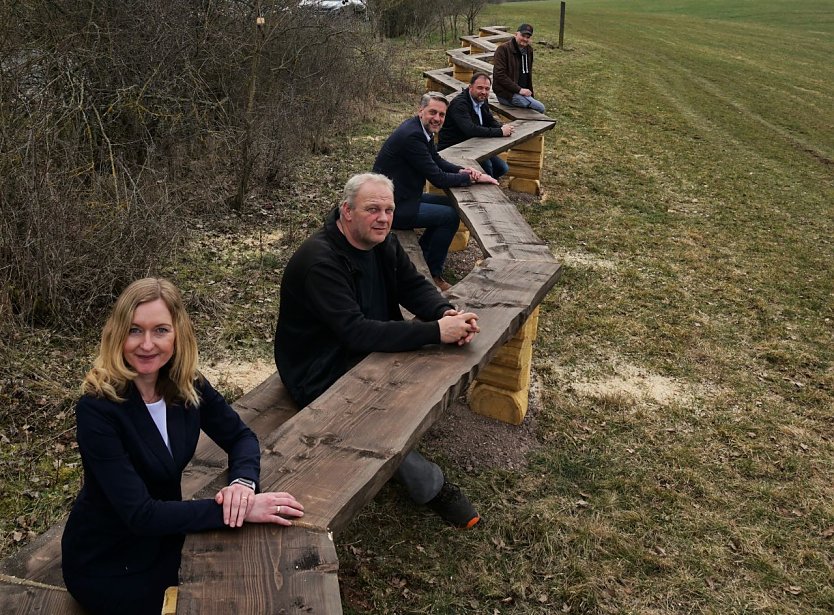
[(138, 422)]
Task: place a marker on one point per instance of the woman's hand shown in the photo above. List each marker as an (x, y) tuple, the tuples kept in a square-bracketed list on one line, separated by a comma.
[(274, 507), (237, 500)]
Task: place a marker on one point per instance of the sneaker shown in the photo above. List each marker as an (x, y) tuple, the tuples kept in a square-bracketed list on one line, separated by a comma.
[(454, 507), (441, 284)]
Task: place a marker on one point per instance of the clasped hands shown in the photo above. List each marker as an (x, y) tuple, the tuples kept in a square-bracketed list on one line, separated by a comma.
[(458, 327), (241, 504), (479, 177)]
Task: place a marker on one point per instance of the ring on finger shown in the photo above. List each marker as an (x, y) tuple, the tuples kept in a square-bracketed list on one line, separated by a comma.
[(278, 510)]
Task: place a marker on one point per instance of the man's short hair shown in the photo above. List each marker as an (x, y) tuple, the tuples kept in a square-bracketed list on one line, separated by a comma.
[(430, 96), (355, 183), (477, 76)]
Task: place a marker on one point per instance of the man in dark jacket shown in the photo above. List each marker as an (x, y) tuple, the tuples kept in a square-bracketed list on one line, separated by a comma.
[(409, 158), (340, 298), (469, 116), (513, 71)]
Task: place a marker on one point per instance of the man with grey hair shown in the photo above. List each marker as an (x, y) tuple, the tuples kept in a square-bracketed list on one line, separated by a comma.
[(340, 300), (409, 157)]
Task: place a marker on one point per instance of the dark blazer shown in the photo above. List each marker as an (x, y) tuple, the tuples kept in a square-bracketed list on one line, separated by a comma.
[(322, 330), (462, 122), (408, 159), (129, 509)]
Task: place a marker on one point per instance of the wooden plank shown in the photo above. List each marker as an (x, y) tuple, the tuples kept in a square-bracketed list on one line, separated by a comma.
[(516, 113), (481, 148), (495, 223), (471, 62), (408, 240), (24, 597), (336, 453), (444, 80), (260, 569), (490, 30), (487, 43)]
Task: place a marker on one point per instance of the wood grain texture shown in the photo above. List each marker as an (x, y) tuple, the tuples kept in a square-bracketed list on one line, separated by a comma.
[(481, 148), (260, 569), (500, 230), (24, 597)]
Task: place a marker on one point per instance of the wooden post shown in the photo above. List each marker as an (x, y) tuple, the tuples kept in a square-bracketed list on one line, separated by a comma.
[(461, 239), (562, 24), (526, 161), (462, 73), (502, 388), (169, 603)]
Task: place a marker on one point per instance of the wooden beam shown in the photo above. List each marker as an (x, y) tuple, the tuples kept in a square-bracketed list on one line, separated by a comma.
[(24, 597), (260, 568), (481, 148)]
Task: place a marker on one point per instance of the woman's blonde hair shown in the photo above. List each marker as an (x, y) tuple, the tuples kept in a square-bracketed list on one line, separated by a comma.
[(111, 375)]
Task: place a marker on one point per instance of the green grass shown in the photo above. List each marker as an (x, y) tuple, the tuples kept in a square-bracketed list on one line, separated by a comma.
[(685, 411)]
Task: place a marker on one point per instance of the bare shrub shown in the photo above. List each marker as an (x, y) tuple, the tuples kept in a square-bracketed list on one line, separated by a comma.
[(121, 120)]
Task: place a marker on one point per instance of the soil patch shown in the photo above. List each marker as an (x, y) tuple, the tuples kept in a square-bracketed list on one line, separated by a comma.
[(473, 442)]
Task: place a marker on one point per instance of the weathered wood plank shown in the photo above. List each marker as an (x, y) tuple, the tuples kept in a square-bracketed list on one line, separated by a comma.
[(260, 569), (408, 240), (488, 43), (471, 62), (25, 597), (490, 30), (443, 78), (500, 230), (481, 148)]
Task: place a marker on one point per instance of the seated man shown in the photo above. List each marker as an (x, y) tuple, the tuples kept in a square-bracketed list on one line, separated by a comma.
[(409, 158), (513, 71), (469, 116), (340, 298)]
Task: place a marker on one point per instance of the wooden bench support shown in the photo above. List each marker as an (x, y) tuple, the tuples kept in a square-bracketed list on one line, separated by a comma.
[(501, 390), (461, 239), (526, 161)]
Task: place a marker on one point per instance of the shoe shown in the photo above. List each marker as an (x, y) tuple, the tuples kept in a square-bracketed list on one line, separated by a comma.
[(454, 507), (441, 284)]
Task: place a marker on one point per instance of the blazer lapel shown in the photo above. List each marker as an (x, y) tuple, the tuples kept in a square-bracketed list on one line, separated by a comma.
[(150, 435), (176, 433)]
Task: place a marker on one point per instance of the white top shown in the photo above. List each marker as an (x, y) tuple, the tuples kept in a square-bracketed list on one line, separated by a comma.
[(159, 413)]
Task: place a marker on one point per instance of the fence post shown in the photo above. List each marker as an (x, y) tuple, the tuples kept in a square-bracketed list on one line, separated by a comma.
[(562, 24)]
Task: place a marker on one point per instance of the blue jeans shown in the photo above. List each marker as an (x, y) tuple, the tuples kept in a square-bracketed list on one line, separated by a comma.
[(441, 222), (495, 167), (528, 102)]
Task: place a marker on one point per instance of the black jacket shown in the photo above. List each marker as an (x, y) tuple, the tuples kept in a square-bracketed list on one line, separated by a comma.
[(129, 510), (408, 159), (322, 332), (462, 122)]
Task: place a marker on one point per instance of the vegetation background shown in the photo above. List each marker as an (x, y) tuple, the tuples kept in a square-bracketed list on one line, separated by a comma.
[(684, 380)]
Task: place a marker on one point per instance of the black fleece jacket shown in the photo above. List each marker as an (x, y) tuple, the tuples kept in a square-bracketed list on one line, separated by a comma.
[(462, 122), (322, 332)]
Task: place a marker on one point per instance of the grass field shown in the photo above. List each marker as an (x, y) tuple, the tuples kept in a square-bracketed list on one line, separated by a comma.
[(685, 359), (684, 400)]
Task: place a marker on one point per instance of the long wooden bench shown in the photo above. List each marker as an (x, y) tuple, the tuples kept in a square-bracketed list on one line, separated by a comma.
[(336, 453)]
